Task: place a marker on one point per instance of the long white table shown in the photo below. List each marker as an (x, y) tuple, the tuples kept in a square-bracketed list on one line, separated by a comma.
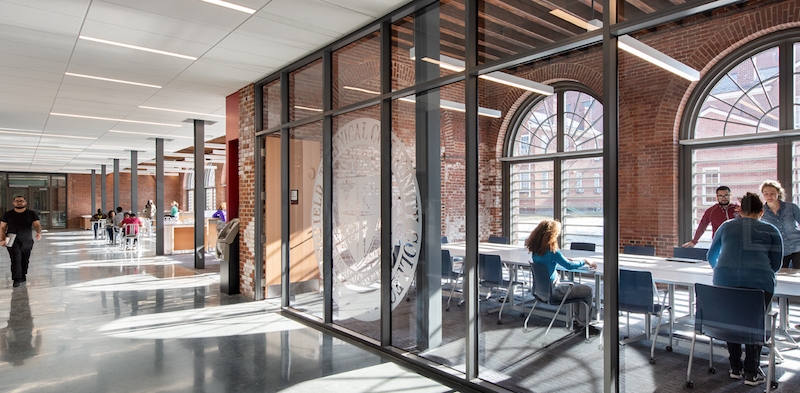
[(664, 271)]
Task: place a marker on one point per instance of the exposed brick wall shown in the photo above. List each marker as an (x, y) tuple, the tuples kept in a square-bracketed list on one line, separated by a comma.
[(79, 191), (247, 191)]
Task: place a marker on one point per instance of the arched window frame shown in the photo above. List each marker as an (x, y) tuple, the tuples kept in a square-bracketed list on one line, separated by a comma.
[(581, 185), (785, 141)]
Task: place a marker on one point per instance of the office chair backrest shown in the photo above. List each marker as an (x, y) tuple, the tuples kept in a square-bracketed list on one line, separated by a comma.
[(639, 250), (490, 269), (542, 286), (444, 240), (582, 246), (498, 239), (690, 253), (730, 314), (636, 291), (447, 264)]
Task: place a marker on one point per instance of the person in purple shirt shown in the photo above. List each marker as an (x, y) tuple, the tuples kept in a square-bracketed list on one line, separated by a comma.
[(220, 213), (543, 245)]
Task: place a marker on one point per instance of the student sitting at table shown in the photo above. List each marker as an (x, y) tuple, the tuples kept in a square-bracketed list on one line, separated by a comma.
[(746, 253), (543, 245)]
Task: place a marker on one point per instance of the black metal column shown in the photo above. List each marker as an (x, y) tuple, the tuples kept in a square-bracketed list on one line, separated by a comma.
[(103, 188), (428, 172), (471, 197), (94, 192), (116, 183), (134, 181), (327, 188), (610, 200), (159, 196), (199, 194), (386, 188)]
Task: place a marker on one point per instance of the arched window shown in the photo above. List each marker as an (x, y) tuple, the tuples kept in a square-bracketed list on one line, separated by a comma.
[(554, 161), (209, 181), (741, 127)]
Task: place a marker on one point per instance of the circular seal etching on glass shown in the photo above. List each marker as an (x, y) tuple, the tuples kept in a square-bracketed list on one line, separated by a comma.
[(357, 222)]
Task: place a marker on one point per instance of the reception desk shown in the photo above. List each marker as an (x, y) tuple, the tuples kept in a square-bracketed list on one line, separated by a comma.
[(86, 222), (179, 238)]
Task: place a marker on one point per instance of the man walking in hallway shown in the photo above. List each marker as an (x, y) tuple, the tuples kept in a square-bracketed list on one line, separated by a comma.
[(19, 222)]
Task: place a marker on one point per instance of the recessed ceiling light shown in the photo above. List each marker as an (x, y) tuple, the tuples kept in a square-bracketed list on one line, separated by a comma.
[(177, 111), (654, 56), (232, 6), (117, 120), (141, 48), (570, 18), (46, 135), (147, 133), (112, 80), (361, 90), (40, 148), (307, 108)]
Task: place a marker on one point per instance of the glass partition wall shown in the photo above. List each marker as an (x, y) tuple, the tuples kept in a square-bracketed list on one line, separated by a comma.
[(413, 148)]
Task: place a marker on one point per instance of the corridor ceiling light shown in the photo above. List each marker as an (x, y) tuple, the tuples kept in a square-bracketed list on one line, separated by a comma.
[(141, 48), (113, 119), (457, 106), (40, 148), (177, 111), (43, 135), (232, 6), (650, 54), (456, 65), (112, 80), (151, 134), (361, 90), (307, 108)]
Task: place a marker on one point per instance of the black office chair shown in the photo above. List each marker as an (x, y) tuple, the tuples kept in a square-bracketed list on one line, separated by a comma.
[(543, 292), (444, 240), (447, 269), (498, 239), (639, 250), (636, 292), (582, 246), (701, 254), (736, 315), (490, 273)]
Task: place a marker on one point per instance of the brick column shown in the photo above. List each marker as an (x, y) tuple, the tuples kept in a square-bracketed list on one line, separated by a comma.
[(246, 190)]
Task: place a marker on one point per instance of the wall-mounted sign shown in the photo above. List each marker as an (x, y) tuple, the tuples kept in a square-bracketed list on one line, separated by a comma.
[(293, 197)]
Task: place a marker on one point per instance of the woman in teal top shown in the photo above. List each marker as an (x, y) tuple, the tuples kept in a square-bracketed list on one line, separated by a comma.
[(174, 211), (543, 245)]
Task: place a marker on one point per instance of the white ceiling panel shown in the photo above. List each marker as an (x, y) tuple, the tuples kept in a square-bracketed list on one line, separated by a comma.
[(318, 13), (138, 20), (39, 42), (373, 8), (54, 15), (195, 11)]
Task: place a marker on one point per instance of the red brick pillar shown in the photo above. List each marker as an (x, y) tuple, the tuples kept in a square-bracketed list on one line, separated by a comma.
[(247, 190)]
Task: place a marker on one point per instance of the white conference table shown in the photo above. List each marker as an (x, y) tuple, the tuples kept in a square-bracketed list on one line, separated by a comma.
[(664, 271)]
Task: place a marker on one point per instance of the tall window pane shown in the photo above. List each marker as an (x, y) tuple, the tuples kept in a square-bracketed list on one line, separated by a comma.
[(582, 203), (742, 168), (538, 130), (583, 122), (531, 198)]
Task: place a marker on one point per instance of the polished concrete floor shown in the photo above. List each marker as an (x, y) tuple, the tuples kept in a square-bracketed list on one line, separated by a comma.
[(93, 318)]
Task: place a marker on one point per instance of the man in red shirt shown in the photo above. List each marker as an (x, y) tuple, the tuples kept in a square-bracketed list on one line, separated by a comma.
[(130, 219), (716, 215)]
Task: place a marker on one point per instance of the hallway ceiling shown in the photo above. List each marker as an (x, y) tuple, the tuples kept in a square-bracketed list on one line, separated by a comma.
[(44, 64)]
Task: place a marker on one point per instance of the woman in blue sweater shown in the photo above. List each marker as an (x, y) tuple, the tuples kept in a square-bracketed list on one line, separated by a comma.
[(543, 245), (746, 253)]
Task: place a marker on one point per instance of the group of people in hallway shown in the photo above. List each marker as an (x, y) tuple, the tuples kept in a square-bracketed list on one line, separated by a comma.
[(750, 243)]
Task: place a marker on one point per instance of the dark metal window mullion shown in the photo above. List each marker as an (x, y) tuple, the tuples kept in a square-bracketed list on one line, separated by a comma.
[(327, 187), (471, 174), (558, 189), (786, 115), (386, 185)]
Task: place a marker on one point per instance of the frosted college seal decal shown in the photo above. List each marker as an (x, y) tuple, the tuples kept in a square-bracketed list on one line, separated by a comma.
[(357, 223)]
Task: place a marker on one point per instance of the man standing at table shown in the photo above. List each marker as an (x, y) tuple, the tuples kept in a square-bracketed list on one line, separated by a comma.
[(19, 222), (723, 211)]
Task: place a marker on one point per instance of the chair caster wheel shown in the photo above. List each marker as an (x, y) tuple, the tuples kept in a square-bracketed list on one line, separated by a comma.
[(652, 361), (447, 309), (499, 322), (408, 299), (689, 384), (669, 348), (712, 370), (625, 337), (774, 385)]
